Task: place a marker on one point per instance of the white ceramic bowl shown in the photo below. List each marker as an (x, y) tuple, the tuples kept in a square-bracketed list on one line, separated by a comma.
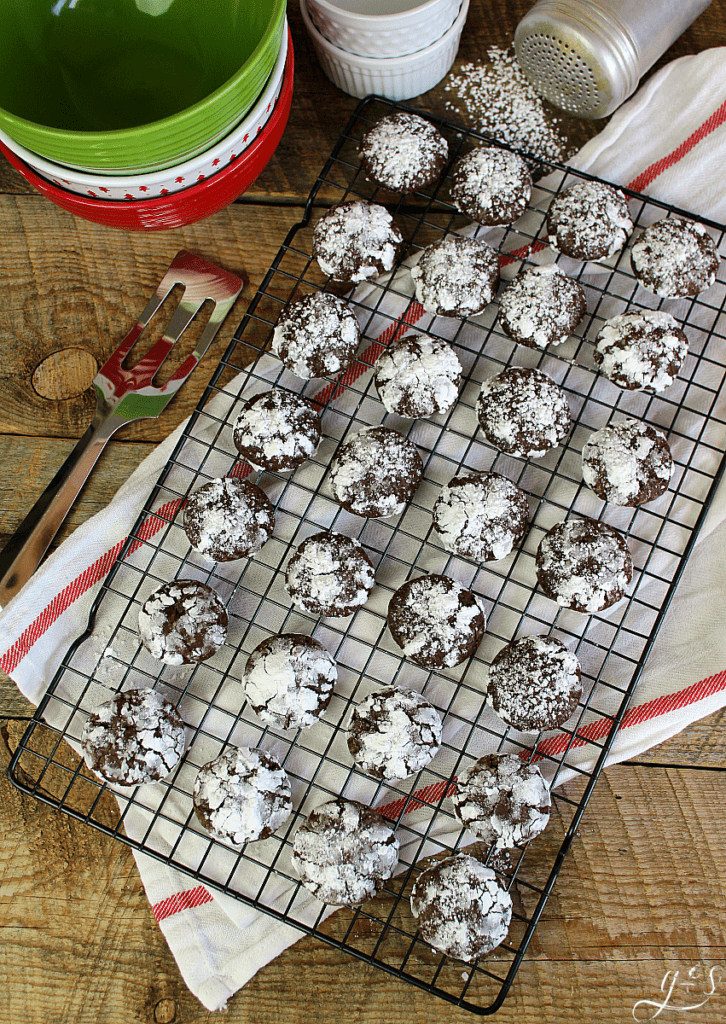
[(173, 179), (396, 78), (383, 28)]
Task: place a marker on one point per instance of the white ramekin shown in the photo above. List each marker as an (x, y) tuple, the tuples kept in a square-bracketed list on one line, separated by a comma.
[(393, 34), (155, 184), (396, 78)]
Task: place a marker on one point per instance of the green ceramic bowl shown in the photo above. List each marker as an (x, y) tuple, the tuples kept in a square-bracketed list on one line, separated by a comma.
[(132, 85)]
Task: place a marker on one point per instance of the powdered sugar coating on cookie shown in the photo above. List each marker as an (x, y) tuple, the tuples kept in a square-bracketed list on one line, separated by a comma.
[(627, 463), (456, 276), (523, 412), (584, 564), (394, 733), (435, 621), (418, 376), (228, 518), (481, 516), (403, 152), (355, 241), (183, 621), (376, 472), (542, 306), (589, 221), (491, 185), (461, 908), (344, 852), (242, 795), (502, 800), (316, 335), (534, 683), (329, 574), (289, 680), (277, 431), (675, 258), (641, 350), (136, 737)]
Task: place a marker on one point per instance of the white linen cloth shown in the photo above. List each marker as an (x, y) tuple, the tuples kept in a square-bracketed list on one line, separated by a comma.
[(668, 141)]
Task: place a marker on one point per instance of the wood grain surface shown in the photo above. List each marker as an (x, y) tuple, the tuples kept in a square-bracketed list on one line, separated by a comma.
[(644, 888)]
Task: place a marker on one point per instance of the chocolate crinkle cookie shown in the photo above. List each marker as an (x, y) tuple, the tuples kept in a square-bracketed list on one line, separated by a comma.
[(418, 376), (316, 336), (481, 516), (344, 852), (493, 186), (523, 412), (329, 574), (627, 463), (183, 621), (403, 152), (641, 350), (589, 221), (277, 431), (242, 795), (502, 800), (289, 680), (584, 564), (675, 258), (228, 519), (376, 472), (136, 737), (542, 306), (534, 683), (356, 240), (435, 621), (456, 276), (461, 908), (394, 733)]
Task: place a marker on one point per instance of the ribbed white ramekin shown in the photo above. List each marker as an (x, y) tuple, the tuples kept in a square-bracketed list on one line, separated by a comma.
[(393, 34), (396, 78)]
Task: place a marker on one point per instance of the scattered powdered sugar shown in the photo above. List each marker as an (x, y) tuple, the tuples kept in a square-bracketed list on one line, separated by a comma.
[(627, 463), (418, 376), (502, 800), (461, 908), (228, 518), (394, 733), (496, 98), (344, 852), (481, 516), (289, 680), (243, 795), (436, 621), (523, 412), (643, 349), (542, 306), (316, 335), (675, 257), (456, 276), (534, 683), (589, 221), (491, 185), (329, 574), (136, 737), (376, 472), (183, 621), (356, 241), (403, 152), (278, 429), (584, 564)]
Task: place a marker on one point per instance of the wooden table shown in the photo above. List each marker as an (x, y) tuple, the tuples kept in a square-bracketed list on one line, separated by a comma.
[(644, 889)]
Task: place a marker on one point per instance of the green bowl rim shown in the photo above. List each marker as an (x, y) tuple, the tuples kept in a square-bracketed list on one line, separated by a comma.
[(143, 132)]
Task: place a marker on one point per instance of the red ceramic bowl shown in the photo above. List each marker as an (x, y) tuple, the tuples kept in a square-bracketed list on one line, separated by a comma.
[(179, 208)]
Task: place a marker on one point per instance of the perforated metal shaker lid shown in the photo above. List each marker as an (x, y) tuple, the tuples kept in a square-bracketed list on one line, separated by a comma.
[(587, 56)]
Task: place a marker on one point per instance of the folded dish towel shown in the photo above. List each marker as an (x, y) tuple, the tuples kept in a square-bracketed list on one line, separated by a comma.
[(669, 141)]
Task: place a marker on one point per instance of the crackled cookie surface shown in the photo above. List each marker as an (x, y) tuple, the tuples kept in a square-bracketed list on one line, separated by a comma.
[(534, 683), (437, 622), (403, 152), (183, 621)]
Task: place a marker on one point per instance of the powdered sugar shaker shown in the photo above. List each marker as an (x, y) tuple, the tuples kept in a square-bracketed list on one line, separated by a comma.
[(587, 56)]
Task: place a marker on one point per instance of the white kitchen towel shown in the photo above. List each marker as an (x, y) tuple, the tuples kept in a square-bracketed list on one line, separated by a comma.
[(669, 141)]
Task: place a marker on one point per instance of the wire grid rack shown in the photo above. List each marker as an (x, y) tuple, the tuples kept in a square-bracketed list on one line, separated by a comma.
[(612, 646)]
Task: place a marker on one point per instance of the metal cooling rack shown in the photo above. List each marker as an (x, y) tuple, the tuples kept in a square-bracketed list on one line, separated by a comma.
[(612, 646)]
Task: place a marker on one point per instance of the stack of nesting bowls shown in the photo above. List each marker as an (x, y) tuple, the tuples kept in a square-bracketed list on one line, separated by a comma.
[(143, 114), (395, 48)]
